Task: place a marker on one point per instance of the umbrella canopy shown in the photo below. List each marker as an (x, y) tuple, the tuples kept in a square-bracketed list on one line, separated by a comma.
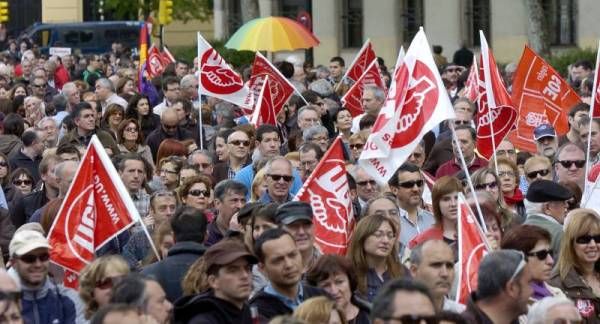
[(272, 34)]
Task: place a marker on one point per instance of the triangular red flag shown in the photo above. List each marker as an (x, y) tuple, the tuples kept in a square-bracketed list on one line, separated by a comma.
[(264, 112), (471, 90), (496, 114), (281, 88), (541, 97), (328, 192), (363, 59), (471, 250), (97, 208), (352, 100)]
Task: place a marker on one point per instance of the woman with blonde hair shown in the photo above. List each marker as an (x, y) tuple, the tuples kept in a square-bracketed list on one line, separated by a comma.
[(576, 271), (374, 254), (259, 185), (320, 310), (97, 279), (486, 180)]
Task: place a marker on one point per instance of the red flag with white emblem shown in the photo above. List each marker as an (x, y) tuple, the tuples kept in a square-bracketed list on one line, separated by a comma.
[(155, 65), (264, 112), (471, 90), (218, 79), (281, 88), (416, 103), (96, 208), (328, 192), (361, 62), (471, 250), (541, 97), (352, 100), (496, 114)]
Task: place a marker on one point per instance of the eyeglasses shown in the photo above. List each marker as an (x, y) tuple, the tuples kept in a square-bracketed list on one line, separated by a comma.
[(356, 146), (199, 192), (38, 85), (568, 163), (22, 182), (520, 266), (239, 142), (502, 174), (541, 255), (414, 319), (131, 130), (534, 174), (586, 239), (277, 177), (462, 122), (373, 183), (108, 282), (3, 164), (411, 184), (487, 186), (31, 258), (168, 171)]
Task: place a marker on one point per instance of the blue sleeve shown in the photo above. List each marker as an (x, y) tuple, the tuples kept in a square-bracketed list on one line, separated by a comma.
[(297, 185), (3, 203), (246, 176)]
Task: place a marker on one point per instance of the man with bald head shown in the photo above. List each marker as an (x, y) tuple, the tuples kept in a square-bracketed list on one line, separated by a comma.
[(169, 128)]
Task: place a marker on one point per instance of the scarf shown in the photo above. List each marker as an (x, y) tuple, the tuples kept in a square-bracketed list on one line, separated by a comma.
[(515, 199)]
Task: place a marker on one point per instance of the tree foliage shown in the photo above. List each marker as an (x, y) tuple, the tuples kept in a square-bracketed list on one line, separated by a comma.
[(183, 10)]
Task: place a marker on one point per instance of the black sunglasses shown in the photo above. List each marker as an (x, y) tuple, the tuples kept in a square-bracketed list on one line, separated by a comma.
[(277, 177), (541, 255), (414, 319), (31, 258), (534, 174), (198, 192), (356, 146), (486, 186), (568, 163), (14, 296), (237, 143), (586, 239), (366, 182), (411, 184)]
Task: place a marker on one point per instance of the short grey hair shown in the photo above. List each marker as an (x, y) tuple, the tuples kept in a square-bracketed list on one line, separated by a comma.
[(306, 108), (538, 311), (106, 83), (567, 147), (60, 167), (269, 164), (187, 80), (310, 132), (45, 119), (496, 270), (203, 152), (322, 87), (377, 92), (69, 88)]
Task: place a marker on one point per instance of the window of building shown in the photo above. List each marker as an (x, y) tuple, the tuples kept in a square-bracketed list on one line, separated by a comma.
[(560, 19), (477, 18), (412, 14), (234, 15), (352, 23)]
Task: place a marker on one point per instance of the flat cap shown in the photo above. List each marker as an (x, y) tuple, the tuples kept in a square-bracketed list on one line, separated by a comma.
[(545, 190), (227, 251), (293, 211), (247, 211)]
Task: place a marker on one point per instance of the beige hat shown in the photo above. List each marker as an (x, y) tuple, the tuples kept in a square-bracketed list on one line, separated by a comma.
[(26, 241)]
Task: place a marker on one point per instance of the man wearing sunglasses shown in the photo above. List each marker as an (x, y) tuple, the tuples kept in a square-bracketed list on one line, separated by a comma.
[(403, 301), (169, 128), (43, 301), (503, 288), (569, 164), (279, 180), (547, 207)]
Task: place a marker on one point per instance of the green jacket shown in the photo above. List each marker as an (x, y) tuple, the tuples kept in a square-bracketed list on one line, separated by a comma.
[(105, 138)]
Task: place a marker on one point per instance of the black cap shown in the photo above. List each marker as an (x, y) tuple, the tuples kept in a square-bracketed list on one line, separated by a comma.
[(293, 211), (246, 212), (543, 190)]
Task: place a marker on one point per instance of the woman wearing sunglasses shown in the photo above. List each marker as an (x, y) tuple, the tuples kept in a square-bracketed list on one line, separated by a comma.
[(131, 139), (98, 278), (486, 180), (195, 192), (22, 180), (576, 272), (534, 242)]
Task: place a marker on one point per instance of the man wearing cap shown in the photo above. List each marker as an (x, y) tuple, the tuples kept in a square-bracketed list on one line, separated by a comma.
[(43, 301), (296, 217), (547, 207), (229, 280), (545, 140)]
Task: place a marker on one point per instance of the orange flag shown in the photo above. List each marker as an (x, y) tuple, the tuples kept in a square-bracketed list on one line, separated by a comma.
[(542, 97)]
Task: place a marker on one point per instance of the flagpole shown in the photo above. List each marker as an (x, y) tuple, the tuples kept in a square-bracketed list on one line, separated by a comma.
[(199, 96), (493, 139), (464, 165)]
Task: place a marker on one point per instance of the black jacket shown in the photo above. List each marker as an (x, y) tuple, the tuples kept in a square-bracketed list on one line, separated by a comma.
[(7, 230), (158, 135), (208, 309), (364, 310), (270, 306), (24, 208), (172, 269), (20, 160)]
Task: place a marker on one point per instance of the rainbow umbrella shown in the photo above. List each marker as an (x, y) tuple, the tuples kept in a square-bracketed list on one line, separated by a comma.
[(272, 34)]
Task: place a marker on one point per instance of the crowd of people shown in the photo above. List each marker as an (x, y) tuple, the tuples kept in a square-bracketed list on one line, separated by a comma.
[(232, 245)]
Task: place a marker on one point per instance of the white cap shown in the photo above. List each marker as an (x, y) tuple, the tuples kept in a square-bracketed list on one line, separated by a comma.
[(26, 241)]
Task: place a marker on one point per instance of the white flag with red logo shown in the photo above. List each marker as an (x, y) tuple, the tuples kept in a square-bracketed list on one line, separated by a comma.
[(264, 112), (217, 78), (361, 62), (472, 247), (416, 103), (97, 208), (281, 88), (352, 100), (471, 90), (496, 114), (328, 192)]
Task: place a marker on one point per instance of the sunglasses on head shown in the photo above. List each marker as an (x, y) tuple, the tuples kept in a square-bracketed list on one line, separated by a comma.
[(198, 192), (568, 163), (31, 258), (238, 142), (534, 174), (487, 186), (411, 184), (586, 239), (541, 255), (277, 177)]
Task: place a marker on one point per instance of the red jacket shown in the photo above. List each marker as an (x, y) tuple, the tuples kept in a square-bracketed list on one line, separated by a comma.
[(61, 76)]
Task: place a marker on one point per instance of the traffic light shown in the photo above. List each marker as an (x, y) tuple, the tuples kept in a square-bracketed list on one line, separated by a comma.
[(3, 11), (165, 12)]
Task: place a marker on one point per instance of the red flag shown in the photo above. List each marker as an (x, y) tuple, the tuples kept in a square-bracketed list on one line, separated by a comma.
[(281, 88), (71, 280), (496, 114), (352, 100), (328, 192), (97, 208), (264, 112), (471, 90), (217, 78), (166, 56), (541, 97), (416, 103), (155, 65), (472, 248), (361, 62)]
